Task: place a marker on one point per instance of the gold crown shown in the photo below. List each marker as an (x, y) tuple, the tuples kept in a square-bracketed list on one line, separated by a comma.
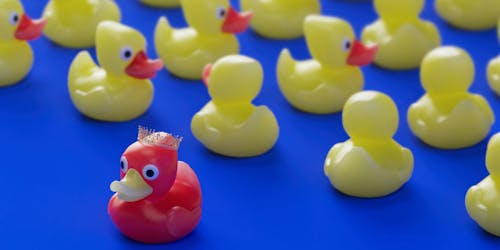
[(161, 139)]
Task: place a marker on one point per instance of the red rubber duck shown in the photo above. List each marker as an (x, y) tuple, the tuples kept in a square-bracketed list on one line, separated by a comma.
[(158, 198)]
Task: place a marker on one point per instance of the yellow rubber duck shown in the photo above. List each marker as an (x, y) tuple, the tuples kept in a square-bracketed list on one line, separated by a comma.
[(482, 200), (280, 19), (448, 116), (493, 69), (469, 15), (162, 3), (73, 23), (16, 55), (323, 84), (121, 89), (403, 38), (370, 163), (230, 124), (211, 36)]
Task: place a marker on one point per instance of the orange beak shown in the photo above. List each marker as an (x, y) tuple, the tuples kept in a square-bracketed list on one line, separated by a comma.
[(206, 73), (361, 54), (142, 67), (236, 22), (29, 29)]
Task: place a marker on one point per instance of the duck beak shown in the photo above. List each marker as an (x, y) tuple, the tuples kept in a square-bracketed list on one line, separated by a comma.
[(236, 22), (361, 54), (29, 29), (132, 187), (142, 67), (206, 73)]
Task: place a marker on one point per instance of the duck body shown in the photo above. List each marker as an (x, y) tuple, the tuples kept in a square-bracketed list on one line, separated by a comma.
[(469, 15), (280, 19), (16, 58), (78, 29), (162, 3)]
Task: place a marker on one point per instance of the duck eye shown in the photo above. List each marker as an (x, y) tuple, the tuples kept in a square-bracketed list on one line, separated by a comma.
[(150, 172), (14, 18), (346, 44), (123, 164), (221, 12), (126, 53)]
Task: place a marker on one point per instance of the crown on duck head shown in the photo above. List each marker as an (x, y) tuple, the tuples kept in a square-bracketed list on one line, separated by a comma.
[(161, 139)]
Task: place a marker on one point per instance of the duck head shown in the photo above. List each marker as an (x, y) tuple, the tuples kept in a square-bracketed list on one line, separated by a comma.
[(121, 50), (15, 24), (214, 16), (234, 78), (398, 11), (492, 156), (148, 167), (331, 41)]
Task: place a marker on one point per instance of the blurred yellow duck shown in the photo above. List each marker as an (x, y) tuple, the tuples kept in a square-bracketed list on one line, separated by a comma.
[(370, 163), (403, 38), (73, 23), (493, 69), (323, 84), (469, 15), (162, 3), (230, 124), (482, 200), (448, 116), (120, 90), (16, 55), (280, 19), (211, 36)]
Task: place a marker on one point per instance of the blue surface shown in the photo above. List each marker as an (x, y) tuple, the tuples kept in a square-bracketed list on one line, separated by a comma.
[(57, 165)]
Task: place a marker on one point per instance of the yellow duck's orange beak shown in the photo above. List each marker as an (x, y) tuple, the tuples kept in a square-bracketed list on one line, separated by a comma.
[(206, 73), (361, 54), (236, 22), (142, 67), (30, 29)]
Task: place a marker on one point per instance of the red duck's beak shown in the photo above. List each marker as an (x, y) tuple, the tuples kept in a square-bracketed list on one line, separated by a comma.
[(206, 73), (142, 67), (29, 29), (236, 22), (361, 54)]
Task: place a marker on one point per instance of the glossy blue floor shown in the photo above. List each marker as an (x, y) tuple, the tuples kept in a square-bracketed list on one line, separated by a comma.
[(57, 164)]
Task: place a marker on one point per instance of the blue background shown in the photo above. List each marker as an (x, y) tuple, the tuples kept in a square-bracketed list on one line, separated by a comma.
[(56, 165)]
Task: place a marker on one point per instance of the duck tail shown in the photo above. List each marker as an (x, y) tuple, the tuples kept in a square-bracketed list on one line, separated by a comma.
[(163, 32), (286, 66), (82, 65)]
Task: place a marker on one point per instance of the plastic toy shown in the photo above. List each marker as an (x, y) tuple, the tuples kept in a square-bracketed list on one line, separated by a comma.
[(403, 38), (16, 55), (493, 70), (469, 15), (73, 23), (162, 3), (211, 36), (323, 84), (158, 198), (280, 19), (120, 90), (482, 199), (370, 163), (448, 116), (230, 124)]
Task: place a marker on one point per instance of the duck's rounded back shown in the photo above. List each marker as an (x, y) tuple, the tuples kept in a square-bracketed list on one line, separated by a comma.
[(447, 70), (398, 10), (493, 155)]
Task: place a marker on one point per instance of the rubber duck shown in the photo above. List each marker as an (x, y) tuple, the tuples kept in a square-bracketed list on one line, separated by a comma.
[(371, 163), (493, 70), (448, 116), (16, 55), (482, 199), (73, 23), (162, 3), (403, 38), (322, 85), (230, 124), (121, 89), (469, 15), (280, 19), (210, 36), (158, 198)]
